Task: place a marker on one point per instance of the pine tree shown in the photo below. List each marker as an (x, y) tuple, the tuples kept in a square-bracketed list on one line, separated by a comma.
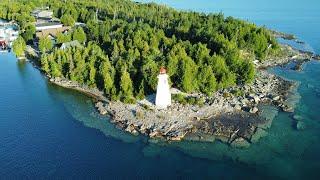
[(79, 35), (45, 44), (206, 80), (126, 87), (45, 64), (55, 72), (19, 46), (67, 20), (106, 72), (188, 71)]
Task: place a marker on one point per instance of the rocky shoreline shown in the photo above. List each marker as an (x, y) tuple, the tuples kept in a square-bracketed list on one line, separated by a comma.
[(91, 92), (230, 115), (230, 118), (292, 54)]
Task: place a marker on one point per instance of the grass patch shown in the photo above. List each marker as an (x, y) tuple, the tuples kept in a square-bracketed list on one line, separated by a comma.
[(180, 98), (238, 93)]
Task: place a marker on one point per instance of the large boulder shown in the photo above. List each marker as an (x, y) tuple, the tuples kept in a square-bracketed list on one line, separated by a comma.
[(258, 135), (102, 110), (240, 143), (192, 137), (254, 110), (287, 108), (300, 125), (256, 99), (297, 117), (276, 98), (207, 138), (237, 107)]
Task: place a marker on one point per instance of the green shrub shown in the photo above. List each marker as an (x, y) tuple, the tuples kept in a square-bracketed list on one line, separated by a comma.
[(238, 92), (180, 98)]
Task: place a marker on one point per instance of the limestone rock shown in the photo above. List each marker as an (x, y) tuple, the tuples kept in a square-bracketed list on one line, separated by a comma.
[(276, 98), (102, 110), (240, 143), (300, 126), (286, 108), (254, 110), (258, 134), (256, 99), (237, 107), (207, 138), (297, 117)]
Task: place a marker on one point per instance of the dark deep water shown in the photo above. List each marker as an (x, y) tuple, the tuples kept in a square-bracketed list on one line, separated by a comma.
[(50, 132)]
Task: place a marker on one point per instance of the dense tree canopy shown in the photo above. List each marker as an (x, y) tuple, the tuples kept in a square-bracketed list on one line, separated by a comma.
[(128, 42)]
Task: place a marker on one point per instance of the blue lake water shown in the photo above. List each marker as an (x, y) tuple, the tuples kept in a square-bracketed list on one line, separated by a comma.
[(50, 132)]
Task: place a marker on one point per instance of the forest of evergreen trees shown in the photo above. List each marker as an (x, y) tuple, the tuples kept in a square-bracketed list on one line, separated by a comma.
[(127, 43)]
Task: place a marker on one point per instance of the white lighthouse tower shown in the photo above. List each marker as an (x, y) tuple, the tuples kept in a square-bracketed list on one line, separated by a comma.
[(163, 98)]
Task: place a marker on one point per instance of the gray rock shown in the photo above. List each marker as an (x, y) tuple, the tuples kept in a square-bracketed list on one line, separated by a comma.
[(223, 139), (300, 126), (207, 138), (244, 101), (297, 117), (192, 137), (266, 124), (240, 143), (254, 110), (256, 99), (276, 98), (258, 135), (237, 107), (102, 110), (286, 108)]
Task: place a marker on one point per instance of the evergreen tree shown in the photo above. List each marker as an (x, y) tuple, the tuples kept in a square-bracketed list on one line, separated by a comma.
[(126, 87), (62, 38), (246, 72), (92, 72), (150, 71), (29, 32), (188, 71), (55, 71), (107, 73), (45, 44), (79, 35), (206, 80), (19, 46), (45, 64), (67, 20)]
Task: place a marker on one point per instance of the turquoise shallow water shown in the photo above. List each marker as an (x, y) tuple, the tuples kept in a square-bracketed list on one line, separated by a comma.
[(50, 132)]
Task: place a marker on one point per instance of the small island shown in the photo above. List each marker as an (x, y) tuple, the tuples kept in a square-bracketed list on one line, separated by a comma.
[(113, 51)]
